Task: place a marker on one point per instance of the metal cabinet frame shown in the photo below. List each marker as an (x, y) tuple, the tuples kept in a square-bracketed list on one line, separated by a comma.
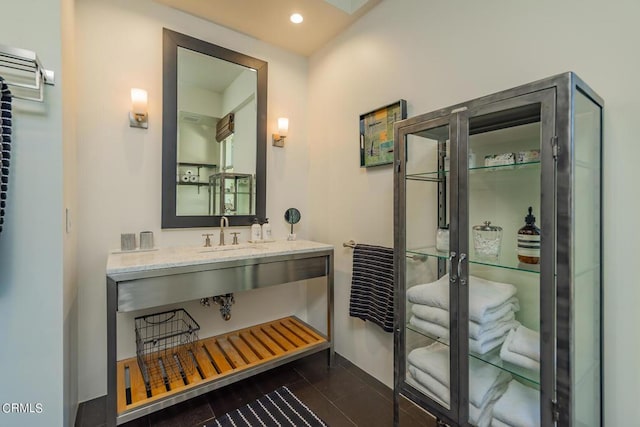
[(556, 95), (152, 288)]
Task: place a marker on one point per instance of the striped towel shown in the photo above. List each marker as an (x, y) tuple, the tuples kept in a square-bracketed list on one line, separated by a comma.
[(372, 285), (5, 146)]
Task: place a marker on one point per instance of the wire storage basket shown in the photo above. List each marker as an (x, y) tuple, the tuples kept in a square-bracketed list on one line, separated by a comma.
[(165, 344)]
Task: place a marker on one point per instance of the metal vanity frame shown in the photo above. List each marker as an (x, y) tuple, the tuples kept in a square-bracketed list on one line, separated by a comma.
[(131, 291)]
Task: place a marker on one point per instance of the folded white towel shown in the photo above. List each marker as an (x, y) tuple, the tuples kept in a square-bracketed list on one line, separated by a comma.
[(441, 317), (526, 342), (481, 417), (497, 423), (519, 406), (485, 343), (510, 352), (485, 381), (432, 329), (432, 385), (480, 330), (519, 360), (485, 346), (474, 416), (484, 295), (433, 359), (415, 384)]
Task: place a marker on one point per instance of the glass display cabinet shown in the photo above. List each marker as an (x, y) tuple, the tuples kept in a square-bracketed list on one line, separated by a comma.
[(501, 325), (231, 194)]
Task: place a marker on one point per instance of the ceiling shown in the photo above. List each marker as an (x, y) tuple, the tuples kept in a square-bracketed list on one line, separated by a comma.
[(268, 20), (207, 72)]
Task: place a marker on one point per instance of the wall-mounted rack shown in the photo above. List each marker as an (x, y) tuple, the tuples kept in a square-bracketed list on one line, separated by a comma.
[(23, 72)]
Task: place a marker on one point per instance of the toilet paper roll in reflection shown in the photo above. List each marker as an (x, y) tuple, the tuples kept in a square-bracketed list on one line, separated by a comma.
[(185, 178), (193, 178), (188, 172)]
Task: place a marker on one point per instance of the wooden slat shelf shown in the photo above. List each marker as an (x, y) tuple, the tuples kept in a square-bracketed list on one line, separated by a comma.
[(218, 357)]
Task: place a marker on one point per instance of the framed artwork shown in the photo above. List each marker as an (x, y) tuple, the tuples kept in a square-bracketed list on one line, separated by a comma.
[(376, 134)]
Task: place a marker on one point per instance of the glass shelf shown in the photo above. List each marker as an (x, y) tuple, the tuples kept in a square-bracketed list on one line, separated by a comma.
[(511, 264), (437, 176), (491, 358), (197, 165), (192, 183), (427, 335), (512, 167)]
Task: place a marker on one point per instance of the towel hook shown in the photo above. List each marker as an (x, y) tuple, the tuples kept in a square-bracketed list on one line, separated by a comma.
[(349, 244)]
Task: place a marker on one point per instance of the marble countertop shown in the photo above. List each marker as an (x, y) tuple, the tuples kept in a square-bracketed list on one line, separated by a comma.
[(135, 261)]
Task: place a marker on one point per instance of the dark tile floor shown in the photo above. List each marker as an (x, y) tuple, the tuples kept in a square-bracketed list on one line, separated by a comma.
[(344, 395)]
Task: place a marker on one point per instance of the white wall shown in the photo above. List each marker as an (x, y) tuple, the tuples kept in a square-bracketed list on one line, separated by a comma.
[(36, 336), (70, 239), (196, 99), (435, 54), (119, 168), (240, 98)]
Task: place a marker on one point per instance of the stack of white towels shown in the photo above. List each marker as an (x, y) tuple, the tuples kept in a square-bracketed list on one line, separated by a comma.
[(519, 406), (429, 367), (492, 307), (522, 348)]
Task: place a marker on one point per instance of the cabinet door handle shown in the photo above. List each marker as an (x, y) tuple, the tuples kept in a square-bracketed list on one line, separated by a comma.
[(462, 258), (452, 278)]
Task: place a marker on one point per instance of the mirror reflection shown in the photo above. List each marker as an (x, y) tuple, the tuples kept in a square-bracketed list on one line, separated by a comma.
[(216, 141), (214, 115)]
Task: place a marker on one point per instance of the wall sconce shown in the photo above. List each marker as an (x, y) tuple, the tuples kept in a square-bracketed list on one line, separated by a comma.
[(138, 116), (283, 128)]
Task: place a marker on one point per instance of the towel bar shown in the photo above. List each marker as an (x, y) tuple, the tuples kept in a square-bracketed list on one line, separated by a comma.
[(23, 70), (352, 244)]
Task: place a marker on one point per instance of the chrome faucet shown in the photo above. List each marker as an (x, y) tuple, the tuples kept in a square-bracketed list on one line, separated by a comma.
[(224, 222)]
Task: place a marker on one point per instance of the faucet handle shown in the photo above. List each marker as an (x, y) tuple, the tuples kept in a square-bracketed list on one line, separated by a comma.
[(235, 237), (207, 241)]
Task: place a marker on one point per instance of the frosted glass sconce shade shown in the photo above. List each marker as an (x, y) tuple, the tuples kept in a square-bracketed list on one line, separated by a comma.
[(138, 116), (283, 129)]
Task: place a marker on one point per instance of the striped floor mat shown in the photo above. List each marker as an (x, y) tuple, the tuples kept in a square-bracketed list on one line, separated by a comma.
[(278, 408)]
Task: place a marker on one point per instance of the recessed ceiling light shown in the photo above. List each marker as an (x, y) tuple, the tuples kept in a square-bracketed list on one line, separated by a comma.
[(296, 18)]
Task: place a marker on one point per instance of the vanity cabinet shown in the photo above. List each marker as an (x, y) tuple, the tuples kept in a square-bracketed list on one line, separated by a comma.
[(231, 194), (482, 338), (143, 281)]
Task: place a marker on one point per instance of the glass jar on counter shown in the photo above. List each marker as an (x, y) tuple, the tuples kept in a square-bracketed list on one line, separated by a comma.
[(487, 240)]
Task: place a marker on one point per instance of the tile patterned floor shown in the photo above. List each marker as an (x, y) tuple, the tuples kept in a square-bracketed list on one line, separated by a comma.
[(342, 396)]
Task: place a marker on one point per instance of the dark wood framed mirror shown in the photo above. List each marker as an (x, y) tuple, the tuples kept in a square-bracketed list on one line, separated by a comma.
[(213, 134)]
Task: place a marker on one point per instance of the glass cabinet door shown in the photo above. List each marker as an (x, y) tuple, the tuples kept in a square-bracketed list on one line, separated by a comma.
[(586, 232), (427, 309), (502, 242)]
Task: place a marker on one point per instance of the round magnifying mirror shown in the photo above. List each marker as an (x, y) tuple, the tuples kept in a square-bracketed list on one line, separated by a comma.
[(292, 216)]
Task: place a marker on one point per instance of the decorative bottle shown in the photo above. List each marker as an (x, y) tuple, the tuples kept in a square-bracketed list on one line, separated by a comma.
[(256, 231), (529, 240), (266, 230)]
